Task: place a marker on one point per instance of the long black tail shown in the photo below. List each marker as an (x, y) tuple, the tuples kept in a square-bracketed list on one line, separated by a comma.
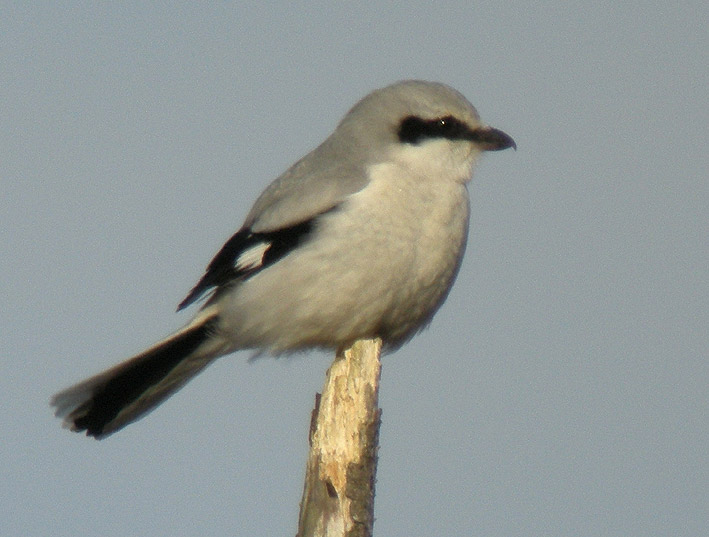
[(109, 401)]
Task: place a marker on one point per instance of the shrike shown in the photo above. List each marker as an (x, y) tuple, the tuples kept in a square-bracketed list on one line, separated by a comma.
[(361, 238)]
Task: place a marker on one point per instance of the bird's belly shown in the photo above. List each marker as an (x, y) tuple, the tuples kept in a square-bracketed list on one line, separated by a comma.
[(383, 274)]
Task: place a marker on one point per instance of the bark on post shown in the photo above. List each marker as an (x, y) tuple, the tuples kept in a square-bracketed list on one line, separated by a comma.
[(338, 496)]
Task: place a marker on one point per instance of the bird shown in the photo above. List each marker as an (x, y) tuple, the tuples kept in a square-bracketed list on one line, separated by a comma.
[(361, 238)]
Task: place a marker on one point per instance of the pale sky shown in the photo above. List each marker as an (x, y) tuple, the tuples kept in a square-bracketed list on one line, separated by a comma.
[(561, 390)]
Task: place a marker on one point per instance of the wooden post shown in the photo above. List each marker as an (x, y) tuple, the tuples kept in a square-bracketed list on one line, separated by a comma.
[(338, 496)]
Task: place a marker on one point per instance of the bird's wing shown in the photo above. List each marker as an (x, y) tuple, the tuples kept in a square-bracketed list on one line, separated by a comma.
[(284, 216), (313, 185), (245, 254)]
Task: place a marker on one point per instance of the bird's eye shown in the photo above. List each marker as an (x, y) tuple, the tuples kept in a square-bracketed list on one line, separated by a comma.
[(450, 127), (414, 130)]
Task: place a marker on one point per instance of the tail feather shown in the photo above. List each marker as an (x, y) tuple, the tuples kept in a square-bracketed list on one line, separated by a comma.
[(109, 401)]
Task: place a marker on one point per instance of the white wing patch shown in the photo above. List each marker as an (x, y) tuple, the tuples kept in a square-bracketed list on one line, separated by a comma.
[(252, 258)]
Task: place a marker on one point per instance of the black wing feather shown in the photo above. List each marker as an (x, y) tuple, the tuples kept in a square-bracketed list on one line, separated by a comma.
[(224, 268)]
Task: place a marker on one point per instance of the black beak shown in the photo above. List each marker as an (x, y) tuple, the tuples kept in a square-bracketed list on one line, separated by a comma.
[(490, 139)]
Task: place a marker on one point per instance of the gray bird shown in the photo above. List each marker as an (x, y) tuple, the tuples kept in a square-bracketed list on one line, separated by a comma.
[(361, 238)]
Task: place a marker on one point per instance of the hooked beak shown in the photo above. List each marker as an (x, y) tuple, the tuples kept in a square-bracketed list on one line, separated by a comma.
[(489, 139)]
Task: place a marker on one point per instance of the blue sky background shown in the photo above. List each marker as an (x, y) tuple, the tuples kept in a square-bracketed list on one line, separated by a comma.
[(561, 390)]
